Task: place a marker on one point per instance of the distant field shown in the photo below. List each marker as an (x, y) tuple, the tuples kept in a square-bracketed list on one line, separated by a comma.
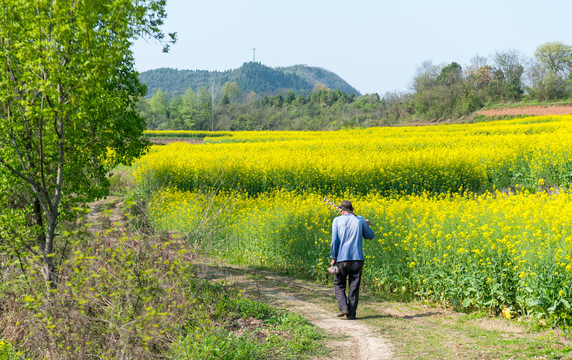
[(399, 160), (475, 216)]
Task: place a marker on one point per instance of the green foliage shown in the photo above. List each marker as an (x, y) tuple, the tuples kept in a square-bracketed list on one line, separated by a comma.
[(446, 92), (320, 110), (550, 74), (555, 57), (232, 92), (7, 351), (450, 74), (250, 77), (509, 68), (68, 104), (158, 109), (316, 75), (116, 295)]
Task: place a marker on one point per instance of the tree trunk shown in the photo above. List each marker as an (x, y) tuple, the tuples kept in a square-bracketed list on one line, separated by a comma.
[(49, 267), (45, 240)]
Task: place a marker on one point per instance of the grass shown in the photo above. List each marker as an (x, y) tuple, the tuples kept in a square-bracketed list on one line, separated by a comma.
[(241, 328), (425, 332)]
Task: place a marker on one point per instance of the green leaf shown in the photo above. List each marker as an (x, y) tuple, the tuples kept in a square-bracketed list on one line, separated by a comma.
[(467, 302)]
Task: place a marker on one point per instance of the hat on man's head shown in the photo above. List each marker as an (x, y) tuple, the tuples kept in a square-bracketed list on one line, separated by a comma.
[(346, 205)]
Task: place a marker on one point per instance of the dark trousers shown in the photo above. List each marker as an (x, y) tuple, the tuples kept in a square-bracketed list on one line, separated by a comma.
[(350, 270)]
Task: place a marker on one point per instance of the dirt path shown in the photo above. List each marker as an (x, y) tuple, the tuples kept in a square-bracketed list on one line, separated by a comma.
[(103, 213), (350, 339), (347, 339)]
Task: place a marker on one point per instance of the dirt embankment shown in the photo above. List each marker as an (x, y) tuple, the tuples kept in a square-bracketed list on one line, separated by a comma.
[(528, 110), (508, 111)]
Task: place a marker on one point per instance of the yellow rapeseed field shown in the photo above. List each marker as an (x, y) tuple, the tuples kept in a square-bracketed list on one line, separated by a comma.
[(474, 215), (410, 160)]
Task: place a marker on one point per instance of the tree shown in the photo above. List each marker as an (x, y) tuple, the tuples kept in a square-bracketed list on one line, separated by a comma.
[(319, 87), (159, 107), (479, 86), (511, 64), (232, 92), (437, 91), (188, 108), (252, 97), (278, 100), (175, 121), (551, 73), (555, 57), (479, 61), (450, 75), (427, 89), (204, 110), (68, 103), (290, 97), (426, 76)]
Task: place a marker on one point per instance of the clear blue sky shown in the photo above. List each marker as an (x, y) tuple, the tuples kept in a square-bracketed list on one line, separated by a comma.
[(376, 46)]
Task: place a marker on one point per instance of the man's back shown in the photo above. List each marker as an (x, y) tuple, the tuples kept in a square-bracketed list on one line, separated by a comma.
[(348, 230)]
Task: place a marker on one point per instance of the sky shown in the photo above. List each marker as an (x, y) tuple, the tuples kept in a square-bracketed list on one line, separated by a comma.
[(375, 46)]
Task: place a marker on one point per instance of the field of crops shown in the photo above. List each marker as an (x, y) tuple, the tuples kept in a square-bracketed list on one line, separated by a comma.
[(476, 215)]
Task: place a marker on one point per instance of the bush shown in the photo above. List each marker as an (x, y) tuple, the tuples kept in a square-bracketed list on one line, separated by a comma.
[(115, 296)]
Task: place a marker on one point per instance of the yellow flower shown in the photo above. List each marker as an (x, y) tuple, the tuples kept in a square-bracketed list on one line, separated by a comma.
[(506, 313)]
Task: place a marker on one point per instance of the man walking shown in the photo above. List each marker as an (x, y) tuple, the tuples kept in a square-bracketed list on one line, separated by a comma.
[(348, 230)]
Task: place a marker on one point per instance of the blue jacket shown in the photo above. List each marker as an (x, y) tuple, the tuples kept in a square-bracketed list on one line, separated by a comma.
[(348, 230)]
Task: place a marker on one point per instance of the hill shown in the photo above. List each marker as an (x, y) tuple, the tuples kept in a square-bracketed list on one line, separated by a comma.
[(316, 75), (251, 76)]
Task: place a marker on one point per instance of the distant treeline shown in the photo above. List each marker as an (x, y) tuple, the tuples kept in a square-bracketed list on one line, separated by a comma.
[(446, 91), (321, 109)]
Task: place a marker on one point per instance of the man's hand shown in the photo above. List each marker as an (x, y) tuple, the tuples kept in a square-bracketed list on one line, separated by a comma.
[(367, 222), (333, 262)]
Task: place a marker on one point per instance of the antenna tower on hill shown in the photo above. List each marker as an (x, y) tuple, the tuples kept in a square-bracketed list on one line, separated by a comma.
[(253, 54)]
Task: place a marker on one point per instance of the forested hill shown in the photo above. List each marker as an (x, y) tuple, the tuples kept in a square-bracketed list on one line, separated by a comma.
[(251, 76), (316, 75)]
